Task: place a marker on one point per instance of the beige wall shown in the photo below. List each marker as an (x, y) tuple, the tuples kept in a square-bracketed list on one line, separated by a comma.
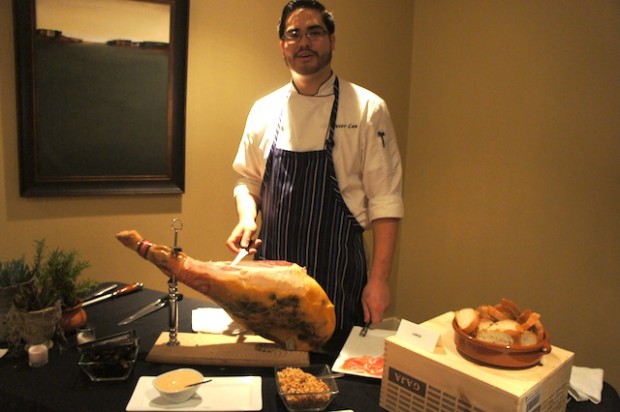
[(505, 117), (513, 167)]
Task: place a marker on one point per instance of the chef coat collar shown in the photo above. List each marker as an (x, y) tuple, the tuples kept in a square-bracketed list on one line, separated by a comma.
[(326, 89)]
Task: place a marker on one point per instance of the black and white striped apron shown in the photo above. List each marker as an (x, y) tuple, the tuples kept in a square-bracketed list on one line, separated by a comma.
[(305, 220)]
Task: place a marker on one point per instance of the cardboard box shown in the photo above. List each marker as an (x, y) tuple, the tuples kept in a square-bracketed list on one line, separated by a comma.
[(417, 380)]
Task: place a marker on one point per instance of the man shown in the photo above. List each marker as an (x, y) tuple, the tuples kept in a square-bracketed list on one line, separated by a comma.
[(319, 160)]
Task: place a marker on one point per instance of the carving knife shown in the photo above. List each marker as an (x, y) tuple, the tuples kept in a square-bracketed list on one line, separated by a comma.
[(148, 309), (99, 292), (119, 292), (364, 330), (243, 252)]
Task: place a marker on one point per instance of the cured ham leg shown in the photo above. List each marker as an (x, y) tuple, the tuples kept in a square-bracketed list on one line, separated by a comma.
[(275, 299)]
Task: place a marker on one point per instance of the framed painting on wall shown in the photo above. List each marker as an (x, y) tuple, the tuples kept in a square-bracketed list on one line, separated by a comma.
[(101, 88)]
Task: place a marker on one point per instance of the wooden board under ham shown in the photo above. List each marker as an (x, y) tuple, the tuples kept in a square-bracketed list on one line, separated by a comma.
[(210, 349)]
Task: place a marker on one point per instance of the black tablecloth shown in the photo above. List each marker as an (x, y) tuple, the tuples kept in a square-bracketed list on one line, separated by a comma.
[(62, 386)]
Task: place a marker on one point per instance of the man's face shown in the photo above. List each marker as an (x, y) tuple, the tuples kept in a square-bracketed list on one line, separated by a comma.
[(305, 56)]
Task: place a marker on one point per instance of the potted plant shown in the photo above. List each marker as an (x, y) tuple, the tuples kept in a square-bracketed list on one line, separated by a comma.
[(13, 273), (36, 314), (62, 271)]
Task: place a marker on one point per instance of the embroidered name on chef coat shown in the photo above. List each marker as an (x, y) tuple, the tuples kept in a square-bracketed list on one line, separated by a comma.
[(381, 135)]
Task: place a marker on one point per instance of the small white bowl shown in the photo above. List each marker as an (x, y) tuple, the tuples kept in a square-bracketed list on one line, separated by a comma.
[(172, 385)]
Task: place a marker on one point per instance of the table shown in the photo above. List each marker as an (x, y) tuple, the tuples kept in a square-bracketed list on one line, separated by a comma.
[(62, 386)]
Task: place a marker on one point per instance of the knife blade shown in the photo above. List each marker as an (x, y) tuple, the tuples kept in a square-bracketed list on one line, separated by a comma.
[(99, 292), (119, 292), (148, 309), (243, 252)]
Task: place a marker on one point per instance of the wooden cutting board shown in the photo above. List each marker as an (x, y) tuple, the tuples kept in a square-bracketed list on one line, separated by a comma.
[(216, 349)]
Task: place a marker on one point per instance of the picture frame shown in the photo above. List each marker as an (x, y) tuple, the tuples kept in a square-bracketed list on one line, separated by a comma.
[(101, 103)]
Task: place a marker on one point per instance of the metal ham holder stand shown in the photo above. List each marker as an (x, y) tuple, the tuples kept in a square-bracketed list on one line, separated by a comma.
[(173, 300), (214, 349)]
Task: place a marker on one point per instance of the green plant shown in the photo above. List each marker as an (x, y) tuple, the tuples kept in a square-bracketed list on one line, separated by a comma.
[(56, 277), (13, 272), (61, 271), (35, 295), (37, 304)]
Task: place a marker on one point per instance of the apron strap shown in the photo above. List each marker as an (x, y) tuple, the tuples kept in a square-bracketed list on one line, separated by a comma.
[(329, 142)]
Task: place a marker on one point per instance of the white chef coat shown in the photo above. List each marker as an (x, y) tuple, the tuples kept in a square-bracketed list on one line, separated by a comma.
[(366, 156)]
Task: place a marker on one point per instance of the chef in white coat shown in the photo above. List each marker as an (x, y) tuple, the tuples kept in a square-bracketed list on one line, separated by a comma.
[(319, 161)]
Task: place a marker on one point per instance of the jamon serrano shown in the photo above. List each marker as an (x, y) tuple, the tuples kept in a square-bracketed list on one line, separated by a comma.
[(275, 299), (365, 364)]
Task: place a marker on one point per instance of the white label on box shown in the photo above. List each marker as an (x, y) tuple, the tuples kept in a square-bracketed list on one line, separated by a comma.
[(417, 335)]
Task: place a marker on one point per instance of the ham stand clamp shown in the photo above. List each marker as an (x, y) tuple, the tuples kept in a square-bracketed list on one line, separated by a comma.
[(173, 300)]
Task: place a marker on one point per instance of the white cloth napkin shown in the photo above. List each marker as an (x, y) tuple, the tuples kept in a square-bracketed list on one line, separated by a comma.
[(586, 384), (214, 320)]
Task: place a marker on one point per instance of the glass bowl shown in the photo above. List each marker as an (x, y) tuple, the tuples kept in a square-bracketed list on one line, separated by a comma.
[(305, 388), (110, 364)]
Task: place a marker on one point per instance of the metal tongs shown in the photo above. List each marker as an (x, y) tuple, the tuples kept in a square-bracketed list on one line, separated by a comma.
[(123, 339), (150, 308)]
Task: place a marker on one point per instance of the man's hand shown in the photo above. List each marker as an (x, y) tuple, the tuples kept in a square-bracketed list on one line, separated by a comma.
[(242, 234), (241, 237), (376, 294), (375, 299)]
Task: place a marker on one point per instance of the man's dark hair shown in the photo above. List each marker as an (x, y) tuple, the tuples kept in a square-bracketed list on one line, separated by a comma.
[(328, 18)]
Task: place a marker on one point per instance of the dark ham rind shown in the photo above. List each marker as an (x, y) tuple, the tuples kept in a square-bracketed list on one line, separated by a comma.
[(275, 299)]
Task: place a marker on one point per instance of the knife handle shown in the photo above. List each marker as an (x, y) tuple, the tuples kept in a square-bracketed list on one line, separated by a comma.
[(129, 288)]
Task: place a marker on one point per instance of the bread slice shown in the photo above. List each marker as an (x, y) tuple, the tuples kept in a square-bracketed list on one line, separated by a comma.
[(531, 320), (506, 312), (495, 336), (506, 325), (496, 313), (484, 324), (502, 324), (524, 315), (528, 338), (467, 319), (512, 307)]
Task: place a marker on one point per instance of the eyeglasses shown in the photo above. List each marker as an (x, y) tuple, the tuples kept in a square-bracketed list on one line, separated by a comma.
[(295, 35)]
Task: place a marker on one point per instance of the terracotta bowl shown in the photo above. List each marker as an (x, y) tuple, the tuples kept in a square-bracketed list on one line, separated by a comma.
[(503, 356)]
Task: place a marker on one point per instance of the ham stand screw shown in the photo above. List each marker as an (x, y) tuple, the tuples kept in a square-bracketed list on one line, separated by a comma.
[(173, 300)]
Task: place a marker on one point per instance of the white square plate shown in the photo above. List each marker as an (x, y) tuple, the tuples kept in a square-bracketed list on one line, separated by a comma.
[(223, 393), (358, 346)]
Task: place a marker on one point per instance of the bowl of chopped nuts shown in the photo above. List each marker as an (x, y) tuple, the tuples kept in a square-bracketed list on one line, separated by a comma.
[(307, 388)]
